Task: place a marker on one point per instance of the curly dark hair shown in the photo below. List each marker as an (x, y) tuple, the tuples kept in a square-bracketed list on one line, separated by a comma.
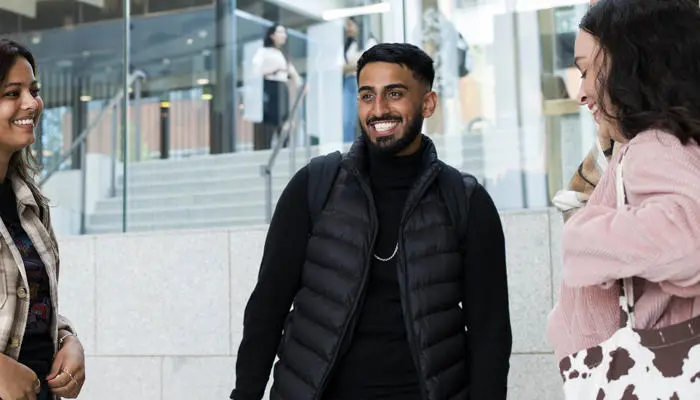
[(650, 73)]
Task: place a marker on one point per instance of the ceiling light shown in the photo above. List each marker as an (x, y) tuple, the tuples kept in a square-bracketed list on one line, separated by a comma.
[(338, 13)]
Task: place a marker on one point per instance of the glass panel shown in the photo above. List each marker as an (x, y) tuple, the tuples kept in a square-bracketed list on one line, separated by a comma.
[(504, 79), (55, 123), (507, 86), (80, 70), (200, 97), (189, 115)]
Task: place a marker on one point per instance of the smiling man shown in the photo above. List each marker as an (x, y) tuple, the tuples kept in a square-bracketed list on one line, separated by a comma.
[(394, 100), (394, 267)]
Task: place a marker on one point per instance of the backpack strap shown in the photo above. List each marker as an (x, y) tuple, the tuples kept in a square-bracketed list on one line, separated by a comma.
[(457, 188), (322, 173)]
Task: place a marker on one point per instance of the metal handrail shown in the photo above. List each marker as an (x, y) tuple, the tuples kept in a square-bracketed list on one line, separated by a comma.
[(266, 169), (78, 142)]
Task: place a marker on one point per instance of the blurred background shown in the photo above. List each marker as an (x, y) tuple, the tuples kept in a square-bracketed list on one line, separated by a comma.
[(505, 79)]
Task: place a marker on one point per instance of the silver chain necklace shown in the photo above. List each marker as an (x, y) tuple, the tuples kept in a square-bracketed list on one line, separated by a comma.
[(396, 249)]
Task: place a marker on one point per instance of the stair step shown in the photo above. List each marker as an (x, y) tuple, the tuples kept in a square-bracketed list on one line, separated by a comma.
[(140, 188), (213, 160), (195, 172), (186, 200), (154, 215), (221, 190), (140, 226)]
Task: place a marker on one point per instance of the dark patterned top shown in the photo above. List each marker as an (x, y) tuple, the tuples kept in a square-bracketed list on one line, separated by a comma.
[(37, 345)]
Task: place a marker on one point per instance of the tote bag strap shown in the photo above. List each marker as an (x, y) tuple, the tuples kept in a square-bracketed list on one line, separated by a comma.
[(626, 284)]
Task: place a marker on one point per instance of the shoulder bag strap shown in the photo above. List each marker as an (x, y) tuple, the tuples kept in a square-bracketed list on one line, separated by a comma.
[(626, 284)]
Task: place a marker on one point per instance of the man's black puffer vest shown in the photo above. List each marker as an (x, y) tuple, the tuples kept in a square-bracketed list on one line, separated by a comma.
[(430, 272)]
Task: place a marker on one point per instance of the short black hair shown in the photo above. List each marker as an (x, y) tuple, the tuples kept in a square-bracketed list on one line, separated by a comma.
[(404, 54)]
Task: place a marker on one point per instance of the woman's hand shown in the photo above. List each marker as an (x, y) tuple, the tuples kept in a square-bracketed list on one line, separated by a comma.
[(17, 381), (68, 370)]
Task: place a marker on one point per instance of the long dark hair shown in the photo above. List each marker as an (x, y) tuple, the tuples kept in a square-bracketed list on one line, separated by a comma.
[(23, 164), (349, 40), (267, 40), (650, 74)]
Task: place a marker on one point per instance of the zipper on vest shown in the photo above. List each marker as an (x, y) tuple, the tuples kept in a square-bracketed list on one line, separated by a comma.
[(405, 295), (351, 320), (407, 319)]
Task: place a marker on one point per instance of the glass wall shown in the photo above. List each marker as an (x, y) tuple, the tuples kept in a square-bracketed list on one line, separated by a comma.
[(199, 85), (508, 88), (78, 50)]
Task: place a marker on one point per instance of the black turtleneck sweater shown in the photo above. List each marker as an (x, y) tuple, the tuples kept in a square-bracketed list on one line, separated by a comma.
[(376, 361)]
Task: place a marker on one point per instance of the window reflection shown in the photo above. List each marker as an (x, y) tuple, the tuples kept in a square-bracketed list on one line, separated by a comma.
[(505, 79)]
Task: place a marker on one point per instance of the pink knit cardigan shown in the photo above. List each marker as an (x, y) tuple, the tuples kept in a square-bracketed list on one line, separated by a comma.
[(656, 238)]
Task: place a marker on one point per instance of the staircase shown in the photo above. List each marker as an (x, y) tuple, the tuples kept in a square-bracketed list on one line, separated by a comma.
[(215, 190)]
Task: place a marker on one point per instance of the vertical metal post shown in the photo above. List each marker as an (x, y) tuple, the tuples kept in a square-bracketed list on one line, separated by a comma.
[(222, 135), (78, 122), (519, 109), (125, 105), (292, 140), (83, 188), (137, 119), (268, 193), (113, 150), (307, 137), (164, 130)]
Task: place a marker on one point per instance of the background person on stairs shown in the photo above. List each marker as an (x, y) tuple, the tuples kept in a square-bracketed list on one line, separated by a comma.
[(278, 72)]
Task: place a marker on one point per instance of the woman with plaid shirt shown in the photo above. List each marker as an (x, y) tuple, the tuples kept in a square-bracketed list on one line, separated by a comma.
[(40, 356)]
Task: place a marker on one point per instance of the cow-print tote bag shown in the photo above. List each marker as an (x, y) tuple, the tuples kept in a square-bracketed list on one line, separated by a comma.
[(636, 364)]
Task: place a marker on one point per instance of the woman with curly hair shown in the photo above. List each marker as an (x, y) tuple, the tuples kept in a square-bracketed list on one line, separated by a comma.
[(631, 255)]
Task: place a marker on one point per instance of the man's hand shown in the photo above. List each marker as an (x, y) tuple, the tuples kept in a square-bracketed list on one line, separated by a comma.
[(17, 381), (68, 370)]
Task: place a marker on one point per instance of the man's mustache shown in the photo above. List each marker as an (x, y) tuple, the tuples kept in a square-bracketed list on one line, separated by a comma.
[(384, 118)]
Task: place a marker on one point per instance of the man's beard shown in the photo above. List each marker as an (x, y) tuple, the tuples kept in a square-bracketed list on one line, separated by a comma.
[(390, 145)]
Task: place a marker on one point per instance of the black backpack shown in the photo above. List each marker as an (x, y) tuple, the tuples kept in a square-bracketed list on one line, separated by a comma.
[(455, 187)]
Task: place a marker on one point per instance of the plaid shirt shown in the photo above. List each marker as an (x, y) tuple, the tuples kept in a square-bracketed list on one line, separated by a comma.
[(14, 288)]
